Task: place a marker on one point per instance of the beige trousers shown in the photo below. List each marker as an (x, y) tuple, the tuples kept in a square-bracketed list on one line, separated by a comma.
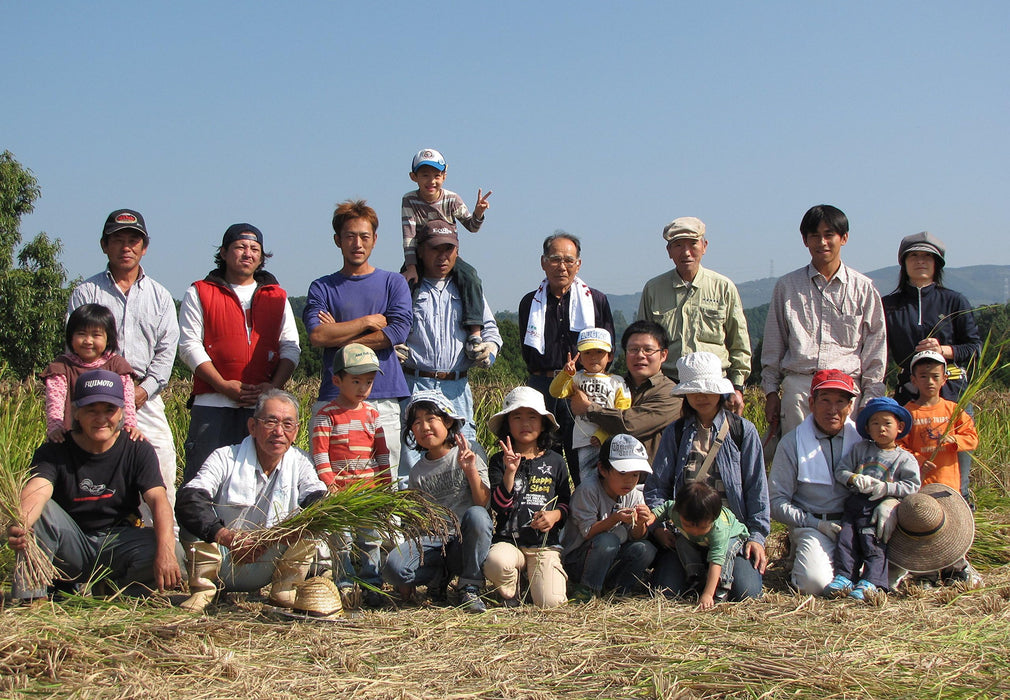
[(548, 580)]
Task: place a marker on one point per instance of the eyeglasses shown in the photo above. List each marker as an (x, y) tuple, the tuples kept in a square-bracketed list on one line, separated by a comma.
[(558, 260), (647, 352), (288, 424)]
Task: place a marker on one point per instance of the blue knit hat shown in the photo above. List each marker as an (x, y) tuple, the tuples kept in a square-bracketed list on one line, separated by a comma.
[(884, 403)]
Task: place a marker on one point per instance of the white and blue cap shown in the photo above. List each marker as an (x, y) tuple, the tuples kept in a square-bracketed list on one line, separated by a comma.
[(594, 339), (428, 156), (436, 397), (626, 454)]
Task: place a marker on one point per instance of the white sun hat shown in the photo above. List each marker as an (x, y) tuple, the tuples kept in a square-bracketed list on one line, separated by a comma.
[(521, 397), (701, 373)]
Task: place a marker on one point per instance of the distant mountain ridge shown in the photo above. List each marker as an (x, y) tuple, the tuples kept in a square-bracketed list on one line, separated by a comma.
[(982, 284)]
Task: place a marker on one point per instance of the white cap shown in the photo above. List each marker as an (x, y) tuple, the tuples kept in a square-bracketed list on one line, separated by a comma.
[(627, 455), (594, 339)]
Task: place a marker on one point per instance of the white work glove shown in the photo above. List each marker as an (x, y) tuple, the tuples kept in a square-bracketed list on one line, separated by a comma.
[(885, 517), (879, 490), (479, 351), (829, 528), (864, 483), (402, 352)]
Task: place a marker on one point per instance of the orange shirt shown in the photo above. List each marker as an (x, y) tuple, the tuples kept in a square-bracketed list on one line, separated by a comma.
[(928, 424)]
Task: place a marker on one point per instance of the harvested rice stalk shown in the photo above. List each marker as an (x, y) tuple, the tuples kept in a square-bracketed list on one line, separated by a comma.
[(32, 568), (393, 514)]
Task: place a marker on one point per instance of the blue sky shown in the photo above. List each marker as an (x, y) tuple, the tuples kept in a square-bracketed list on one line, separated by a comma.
[(604, 119)]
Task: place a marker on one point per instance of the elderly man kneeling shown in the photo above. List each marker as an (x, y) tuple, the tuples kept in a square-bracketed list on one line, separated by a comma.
[(253, 484), (802, 489)]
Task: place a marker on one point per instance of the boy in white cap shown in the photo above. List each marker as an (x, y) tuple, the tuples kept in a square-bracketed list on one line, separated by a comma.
[(605, 543), (349, 445), (605, 390), (429, 205)]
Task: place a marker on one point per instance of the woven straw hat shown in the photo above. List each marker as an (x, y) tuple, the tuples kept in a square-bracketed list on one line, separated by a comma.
[(318, 596), (935, 530)]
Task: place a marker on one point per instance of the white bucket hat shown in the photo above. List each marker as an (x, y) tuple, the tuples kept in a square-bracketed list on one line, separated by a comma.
[(521, 397), (701, 373)]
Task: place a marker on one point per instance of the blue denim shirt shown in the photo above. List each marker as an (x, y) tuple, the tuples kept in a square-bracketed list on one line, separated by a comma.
[(742, 471)]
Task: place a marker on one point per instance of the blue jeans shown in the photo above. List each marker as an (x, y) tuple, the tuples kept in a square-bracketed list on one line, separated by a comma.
[(459, 395), (669, 576), (694, 559), (604, 563), (211, 427), (127, 552), (463, 556)]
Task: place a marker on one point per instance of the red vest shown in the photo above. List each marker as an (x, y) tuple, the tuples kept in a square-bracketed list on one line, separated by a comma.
[(252, 358)]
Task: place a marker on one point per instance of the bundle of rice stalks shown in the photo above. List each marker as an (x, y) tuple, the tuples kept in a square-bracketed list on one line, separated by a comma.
[(395, 515), (18, 418)]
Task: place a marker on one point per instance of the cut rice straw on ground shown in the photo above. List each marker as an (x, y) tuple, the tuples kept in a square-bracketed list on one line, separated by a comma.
[(32, 568), (395, 515)]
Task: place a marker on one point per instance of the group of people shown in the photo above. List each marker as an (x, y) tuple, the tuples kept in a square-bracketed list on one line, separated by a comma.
[(670, 486)]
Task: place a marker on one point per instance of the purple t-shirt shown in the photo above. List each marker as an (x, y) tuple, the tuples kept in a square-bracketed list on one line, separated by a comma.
[(348, 298)]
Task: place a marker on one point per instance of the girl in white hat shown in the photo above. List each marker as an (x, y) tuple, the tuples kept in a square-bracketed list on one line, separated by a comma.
[(529, 497), (710, 443)]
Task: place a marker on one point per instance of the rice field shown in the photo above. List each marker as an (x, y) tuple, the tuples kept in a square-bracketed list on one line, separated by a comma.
[(949, 642)]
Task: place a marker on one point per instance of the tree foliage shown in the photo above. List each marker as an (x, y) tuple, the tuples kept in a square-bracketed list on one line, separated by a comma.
[(33, 289)]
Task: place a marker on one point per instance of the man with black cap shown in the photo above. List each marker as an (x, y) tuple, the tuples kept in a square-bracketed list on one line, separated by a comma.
[(238, 335), (147, 326)]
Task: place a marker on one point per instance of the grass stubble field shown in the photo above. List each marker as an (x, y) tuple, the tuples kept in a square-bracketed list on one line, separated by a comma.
[(938, 643)]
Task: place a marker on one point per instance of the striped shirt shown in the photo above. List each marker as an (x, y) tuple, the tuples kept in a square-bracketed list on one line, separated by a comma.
[(348, 445), (416, 212), (815, 323), (146, 322)]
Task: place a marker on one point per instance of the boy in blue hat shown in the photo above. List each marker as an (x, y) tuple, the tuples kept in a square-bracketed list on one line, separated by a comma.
[(874, 469)]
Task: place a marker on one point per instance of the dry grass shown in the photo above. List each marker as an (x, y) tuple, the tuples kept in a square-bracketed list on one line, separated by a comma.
[(940, 643)]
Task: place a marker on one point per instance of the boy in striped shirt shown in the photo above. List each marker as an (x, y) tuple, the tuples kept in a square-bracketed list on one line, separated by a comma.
[(348, 445)]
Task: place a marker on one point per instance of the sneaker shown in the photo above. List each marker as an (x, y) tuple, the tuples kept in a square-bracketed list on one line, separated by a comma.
[(469, 600), (721, 595), (374, 598), (512, 602), (861, 589), (839, 587), (967, 575)]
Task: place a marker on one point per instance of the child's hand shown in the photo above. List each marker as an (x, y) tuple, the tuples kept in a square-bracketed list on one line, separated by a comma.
[(570, 364), (466, 457), (927, 467), (481, 206), (706, 601), (410, 273), (544, 520), (864, 483), (878, 491), (625, 515), (665, 537), (56, 435), (509, 457), (332, 487), (594, 441), (644, 514), (134, 433), (949, 439)]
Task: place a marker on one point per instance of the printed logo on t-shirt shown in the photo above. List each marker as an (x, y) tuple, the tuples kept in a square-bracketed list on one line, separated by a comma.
[(94, 491)]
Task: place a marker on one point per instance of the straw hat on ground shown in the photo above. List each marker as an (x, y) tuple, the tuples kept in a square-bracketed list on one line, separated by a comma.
[(935, 530), (318, 597)]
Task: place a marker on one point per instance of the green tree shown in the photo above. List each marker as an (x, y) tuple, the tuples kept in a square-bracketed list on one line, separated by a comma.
[(33, 289)]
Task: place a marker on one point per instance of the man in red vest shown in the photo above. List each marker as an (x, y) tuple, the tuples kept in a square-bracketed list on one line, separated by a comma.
[(238, 335)]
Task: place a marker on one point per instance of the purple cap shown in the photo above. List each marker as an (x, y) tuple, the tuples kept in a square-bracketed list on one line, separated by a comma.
[(99, 385)]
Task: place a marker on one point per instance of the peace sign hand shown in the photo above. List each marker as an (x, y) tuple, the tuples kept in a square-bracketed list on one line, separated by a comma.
[(570, 364), (482, 205), (509, 457)]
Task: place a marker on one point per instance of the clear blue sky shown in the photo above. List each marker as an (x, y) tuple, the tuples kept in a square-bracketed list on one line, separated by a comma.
[(606, 119)]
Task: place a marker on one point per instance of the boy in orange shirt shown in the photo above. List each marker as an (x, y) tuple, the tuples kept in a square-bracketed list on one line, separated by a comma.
[(930, 415)]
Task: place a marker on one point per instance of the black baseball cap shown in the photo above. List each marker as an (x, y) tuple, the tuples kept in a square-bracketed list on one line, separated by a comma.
[(123, 220)]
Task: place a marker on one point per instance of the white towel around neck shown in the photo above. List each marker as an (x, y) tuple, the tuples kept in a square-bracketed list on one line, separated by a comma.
[(581, 313)]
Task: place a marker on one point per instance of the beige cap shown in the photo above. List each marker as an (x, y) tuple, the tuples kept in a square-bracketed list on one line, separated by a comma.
[(684, 227)]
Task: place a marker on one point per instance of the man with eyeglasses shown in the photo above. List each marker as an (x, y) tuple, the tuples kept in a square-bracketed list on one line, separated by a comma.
[(700, 309), (824, 315), (238, 334), (242, 487), (653, 406), (550, 319)]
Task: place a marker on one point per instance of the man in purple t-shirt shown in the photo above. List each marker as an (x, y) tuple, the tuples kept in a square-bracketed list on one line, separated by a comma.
[(362, 304)]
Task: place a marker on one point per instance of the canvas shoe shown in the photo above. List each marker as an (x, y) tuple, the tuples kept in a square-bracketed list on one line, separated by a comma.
[(861, 589), (469, 600), (839, 587), (582, 594)]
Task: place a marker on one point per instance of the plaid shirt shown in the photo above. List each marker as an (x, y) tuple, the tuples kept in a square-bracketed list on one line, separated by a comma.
[(815, 323)]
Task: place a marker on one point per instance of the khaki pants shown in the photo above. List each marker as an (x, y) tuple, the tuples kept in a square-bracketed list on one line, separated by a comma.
[(542, 565)]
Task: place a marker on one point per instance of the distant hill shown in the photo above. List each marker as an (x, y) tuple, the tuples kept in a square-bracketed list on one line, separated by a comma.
[(982, 284)]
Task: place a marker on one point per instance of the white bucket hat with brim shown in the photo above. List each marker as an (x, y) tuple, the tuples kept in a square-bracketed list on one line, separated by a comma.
[(521, 397), (436, 397), (701, 373), (935, 530)]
